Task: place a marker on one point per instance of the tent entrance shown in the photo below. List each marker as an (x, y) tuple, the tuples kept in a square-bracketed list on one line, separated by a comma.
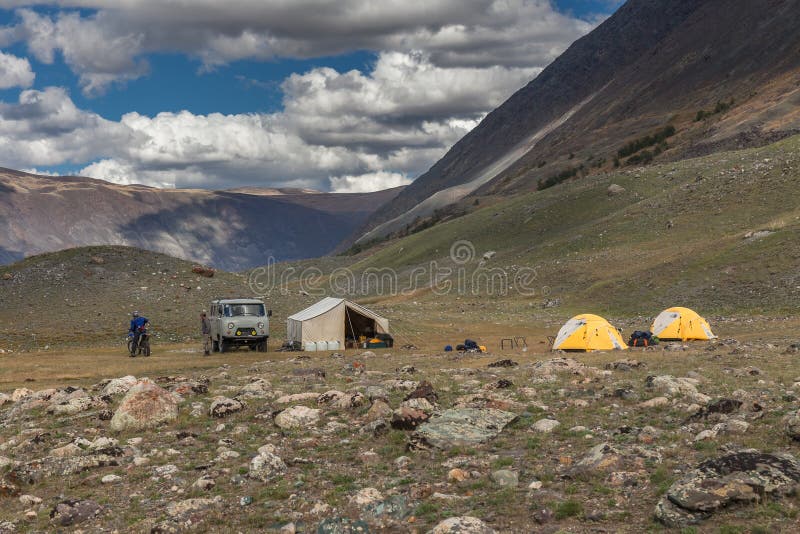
[(358, 327)]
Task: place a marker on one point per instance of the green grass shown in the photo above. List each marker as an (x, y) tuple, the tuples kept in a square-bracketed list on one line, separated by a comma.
[(569, 508)]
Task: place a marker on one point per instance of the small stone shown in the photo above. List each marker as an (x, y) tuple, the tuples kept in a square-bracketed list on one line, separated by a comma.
[(655, 402), (506, 478), (204, 483), (369, 458), (110, 479), (614, 190), (535, 485), (366, 496), (29, 500), (457, 475)]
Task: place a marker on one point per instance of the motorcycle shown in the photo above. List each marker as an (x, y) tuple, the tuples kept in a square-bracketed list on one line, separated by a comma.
[(142, 348)]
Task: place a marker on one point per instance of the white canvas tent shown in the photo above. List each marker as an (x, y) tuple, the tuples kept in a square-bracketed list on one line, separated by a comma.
[(333, 319)]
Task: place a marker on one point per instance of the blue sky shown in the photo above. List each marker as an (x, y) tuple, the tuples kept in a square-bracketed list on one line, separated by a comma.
[(261, 94)]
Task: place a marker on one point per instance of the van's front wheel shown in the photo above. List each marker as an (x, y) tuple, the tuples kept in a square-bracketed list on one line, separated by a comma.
[(214, 345), (262, 346)]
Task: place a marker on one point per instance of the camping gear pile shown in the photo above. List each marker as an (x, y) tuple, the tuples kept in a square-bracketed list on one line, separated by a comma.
[(469, 346), (640, 338)]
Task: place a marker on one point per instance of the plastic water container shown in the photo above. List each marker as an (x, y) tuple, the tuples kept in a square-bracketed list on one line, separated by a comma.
[(310, 346), (333, 345), (322, 345)]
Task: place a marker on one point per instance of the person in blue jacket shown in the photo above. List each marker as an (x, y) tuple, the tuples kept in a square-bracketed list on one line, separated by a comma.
[(138, 324)]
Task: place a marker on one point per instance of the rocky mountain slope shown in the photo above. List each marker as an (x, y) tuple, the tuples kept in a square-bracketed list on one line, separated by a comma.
[(233, 230), (722, 73), (720, 233)]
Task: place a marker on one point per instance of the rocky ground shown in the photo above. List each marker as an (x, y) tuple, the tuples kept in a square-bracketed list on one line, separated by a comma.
[(696, 438)]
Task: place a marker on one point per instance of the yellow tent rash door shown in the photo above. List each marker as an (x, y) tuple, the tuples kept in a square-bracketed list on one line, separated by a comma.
[(681, 324), (585, 333)]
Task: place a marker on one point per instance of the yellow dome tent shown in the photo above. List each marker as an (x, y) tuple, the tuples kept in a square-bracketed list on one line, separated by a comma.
[(588, 332), (681, 324)]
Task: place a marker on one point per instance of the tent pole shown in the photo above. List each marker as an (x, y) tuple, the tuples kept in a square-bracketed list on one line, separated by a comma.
[(352, 330)]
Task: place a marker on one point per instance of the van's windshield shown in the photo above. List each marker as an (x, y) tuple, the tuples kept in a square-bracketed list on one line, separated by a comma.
[(238, 310)]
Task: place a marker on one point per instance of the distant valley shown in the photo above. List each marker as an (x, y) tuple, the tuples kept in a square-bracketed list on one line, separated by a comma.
[(232, 230)]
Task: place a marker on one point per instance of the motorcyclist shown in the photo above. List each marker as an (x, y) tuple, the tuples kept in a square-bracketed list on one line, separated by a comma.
[(138, 326)]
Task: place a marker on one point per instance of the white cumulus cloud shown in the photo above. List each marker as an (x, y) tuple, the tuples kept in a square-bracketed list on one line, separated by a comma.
[(15, 71), (365, 183), (440, 66)]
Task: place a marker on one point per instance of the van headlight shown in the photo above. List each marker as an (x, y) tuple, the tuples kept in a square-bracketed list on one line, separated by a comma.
[(261, 326), (231, 325)]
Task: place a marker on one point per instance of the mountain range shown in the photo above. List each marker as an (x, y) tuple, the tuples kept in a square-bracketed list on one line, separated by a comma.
[(231, 230), (658, 81), (723, 74)]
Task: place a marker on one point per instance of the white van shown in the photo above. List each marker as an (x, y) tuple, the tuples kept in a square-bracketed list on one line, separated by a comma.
[(239, 322)]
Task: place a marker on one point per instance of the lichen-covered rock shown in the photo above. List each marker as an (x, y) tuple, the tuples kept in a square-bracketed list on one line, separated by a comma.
[(52, 467), (224, 406), (379, 410), (297, 417), (545, 426), (257, 388), (462, 525), (792, 426), (405, 418), (677, 387), (424, 391), (266, 466), (191, 506), (119, 386), (144, 406), (744, 476), (461, 427), (71, 512)]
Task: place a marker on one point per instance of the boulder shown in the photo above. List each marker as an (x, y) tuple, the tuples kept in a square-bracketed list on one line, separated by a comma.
[(266, 466), (405, 418), (71, 512), (461, 427), (740, 477), (424, 391), (189, 507), (297, 417), (119, 386), (378, 410), (224, 406), (792, 426), (545, 426), (144, 406), (505, 478), (462, 525)]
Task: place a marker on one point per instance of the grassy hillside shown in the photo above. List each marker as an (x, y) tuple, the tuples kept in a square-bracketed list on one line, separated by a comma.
[(85, 296), (678, 234)]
